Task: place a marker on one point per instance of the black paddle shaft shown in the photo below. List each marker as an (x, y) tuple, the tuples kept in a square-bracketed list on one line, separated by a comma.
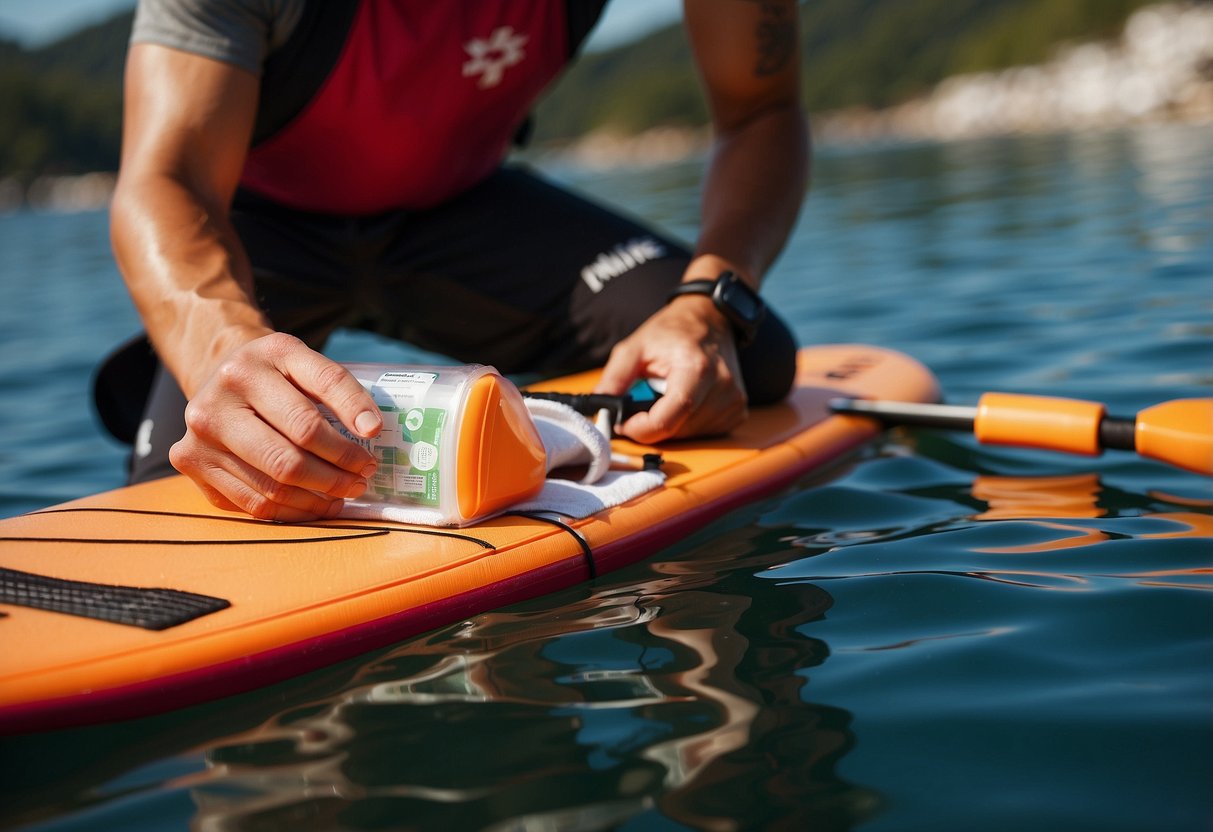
[(1114, 432)]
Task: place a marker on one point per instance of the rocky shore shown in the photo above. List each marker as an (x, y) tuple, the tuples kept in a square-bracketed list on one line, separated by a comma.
[(1160, 69)]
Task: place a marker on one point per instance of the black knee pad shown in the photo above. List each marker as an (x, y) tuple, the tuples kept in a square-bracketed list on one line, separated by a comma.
[(768, 364)]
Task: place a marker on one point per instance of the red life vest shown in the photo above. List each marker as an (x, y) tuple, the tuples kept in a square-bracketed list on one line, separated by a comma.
[(389, 104)]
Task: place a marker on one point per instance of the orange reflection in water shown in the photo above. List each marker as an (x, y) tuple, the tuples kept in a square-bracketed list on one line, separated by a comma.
[(1035, 498), (1041, 500), (1027, 498)]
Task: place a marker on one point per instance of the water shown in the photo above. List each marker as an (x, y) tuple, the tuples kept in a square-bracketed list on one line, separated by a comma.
[(939, 636)]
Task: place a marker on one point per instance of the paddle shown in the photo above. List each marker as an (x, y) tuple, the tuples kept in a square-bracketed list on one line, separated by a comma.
[(1178, 432)]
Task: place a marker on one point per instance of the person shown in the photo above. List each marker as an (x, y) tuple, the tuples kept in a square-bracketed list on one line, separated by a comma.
[(290, 167)]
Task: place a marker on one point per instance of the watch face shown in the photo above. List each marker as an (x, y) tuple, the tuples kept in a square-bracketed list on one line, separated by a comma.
[(743, 300)]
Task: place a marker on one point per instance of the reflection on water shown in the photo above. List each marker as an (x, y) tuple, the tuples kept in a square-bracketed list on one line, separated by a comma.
[(944, 636), (1015, 498), (681, 694), (1052, 609)]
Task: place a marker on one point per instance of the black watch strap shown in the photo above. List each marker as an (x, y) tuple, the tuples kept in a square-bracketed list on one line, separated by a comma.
[(735, 300), (694, 287)]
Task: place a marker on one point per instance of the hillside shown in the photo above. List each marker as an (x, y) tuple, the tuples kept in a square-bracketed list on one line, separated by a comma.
[(61, 103), (856, 53)]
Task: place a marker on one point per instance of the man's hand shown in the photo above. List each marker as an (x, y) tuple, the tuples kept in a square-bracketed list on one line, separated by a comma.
[(748, 58), (255, 441), (689, 344)]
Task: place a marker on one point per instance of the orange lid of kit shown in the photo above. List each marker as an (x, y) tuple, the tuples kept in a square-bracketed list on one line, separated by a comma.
[(501, 459), (1045, 422)]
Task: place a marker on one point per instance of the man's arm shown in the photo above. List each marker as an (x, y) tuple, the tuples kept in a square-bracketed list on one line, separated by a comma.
[(254, 441), (748, 58)]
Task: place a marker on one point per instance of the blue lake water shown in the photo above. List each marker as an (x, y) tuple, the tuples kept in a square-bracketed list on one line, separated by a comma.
[(938, 636)]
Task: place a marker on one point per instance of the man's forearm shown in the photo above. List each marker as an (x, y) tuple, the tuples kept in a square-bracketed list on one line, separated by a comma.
[(187, 274), (753, 191)]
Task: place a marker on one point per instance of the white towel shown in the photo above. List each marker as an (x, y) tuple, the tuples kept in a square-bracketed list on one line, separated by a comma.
[(578, 499), (570, 441)]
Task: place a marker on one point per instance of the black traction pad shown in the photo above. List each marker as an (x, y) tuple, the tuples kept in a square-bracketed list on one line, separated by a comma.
[(151, 609)]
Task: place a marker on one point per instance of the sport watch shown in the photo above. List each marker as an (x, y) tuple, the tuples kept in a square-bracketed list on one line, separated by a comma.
[(734, 298)]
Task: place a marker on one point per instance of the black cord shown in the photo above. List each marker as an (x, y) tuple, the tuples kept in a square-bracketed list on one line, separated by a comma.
[(581, 541), (368, 531)]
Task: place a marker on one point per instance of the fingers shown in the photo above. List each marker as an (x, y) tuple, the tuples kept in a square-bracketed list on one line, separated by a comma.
[(282, 411), (697, 359), (332, 385), (623, 367), (236, 486), (256, 441), (701, 399)]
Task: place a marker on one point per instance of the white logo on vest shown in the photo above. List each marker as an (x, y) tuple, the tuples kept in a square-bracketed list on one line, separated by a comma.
[(492, 57)]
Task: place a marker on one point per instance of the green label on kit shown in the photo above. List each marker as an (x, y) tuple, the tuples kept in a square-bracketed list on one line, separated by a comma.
[(407, 448)]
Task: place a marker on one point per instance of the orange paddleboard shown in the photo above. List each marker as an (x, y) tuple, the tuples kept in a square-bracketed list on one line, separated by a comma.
[(147, 598)]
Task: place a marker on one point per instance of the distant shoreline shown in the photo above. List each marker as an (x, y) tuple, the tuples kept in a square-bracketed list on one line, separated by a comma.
[(1159, 71)]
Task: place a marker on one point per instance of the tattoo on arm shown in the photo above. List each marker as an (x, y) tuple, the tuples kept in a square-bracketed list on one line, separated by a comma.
[(776, 38)]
